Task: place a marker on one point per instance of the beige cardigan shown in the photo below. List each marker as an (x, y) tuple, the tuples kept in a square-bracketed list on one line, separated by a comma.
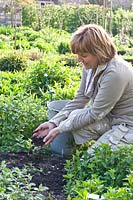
[(110, 94)]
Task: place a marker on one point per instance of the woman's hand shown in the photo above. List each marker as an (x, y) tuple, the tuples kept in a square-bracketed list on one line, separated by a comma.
[(43, 130), (51, 136)]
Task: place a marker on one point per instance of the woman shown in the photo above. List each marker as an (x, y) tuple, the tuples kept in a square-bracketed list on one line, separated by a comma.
[(106, 84)]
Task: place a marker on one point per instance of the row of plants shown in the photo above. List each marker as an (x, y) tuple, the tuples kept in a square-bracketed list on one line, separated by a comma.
[(40, 76), (45, 40), (32, 45), (68, 17)]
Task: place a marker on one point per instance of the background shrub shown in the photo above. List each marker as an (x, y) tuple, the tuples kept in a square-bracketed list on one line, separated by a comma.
[(63, 48), (13, 62), (68, 18), (69, 60), (49, 73), (6, 30)]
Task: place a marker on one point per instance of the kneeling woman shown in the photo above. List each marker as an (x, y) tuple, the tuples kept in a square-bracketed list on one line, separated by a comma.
[(103, 105)]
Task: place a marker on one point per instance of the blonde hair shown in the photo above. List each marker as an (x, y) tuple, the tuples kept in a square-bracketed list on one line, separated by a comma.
[(93, 39)]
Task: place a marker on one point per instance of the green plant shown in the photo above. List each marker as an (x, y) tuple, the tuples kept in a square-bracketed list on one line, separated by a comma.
[(31, 18), (6, 30), (67, 92), (12, 83), (22, 44), (63, 48), (122, 22), (69, 60), (13, 63), (19, 115), (110, 167), (69, 18), (51, 73), (16, 184), (2, 44), (43, 46)]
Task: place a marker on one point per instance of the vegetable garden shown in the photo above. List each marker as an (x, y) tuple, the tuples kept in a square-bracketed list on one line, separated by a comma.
[(36, 65)]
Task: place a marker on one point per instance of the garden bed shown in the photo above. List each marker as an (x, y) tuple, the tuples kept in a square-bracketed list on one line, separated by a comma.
[(47, 170)]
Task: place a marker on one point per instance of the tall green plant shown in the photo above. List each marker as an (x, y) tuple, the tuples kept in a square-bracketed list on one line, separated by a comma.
[(68, 17)]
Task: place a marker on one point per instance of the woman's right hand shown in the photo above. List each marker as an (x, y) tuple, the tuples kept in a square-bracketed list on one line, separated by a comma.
[(43, 129)]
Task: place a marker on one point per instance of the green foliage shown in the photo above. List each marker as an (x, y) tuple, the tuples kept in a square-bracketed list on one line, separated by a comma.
[(5, 41), (69, 60), (12, 84), (47, 40), (29, 33), (22, 44), (68, 17), (101, 171), (120, 194), (51, 73), (67, 92), (6, 30), (122, 21), (64, 17), (43, 46), (31, 18), (112, 194), (51, 40), (16, 184), (63, 48), (20, 112), (13, 63), (19, 115)]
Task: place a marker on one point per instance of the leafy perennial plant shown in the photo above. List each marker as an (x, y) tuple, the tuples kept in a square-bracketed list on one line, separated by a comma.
[(106, 172)]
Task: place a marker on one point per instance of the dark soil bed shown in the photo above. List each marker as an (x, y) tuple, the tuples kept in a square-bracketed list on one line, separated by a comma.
[(50, 175)]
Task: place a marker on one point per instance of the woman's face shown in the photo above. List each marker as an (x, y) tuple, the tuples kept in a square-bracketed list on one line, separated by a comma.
[(88, 60)]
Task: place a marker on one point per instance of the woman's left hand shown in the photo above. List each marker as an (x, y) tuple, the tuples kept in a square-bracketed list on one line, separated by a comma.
[(51, 136)]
